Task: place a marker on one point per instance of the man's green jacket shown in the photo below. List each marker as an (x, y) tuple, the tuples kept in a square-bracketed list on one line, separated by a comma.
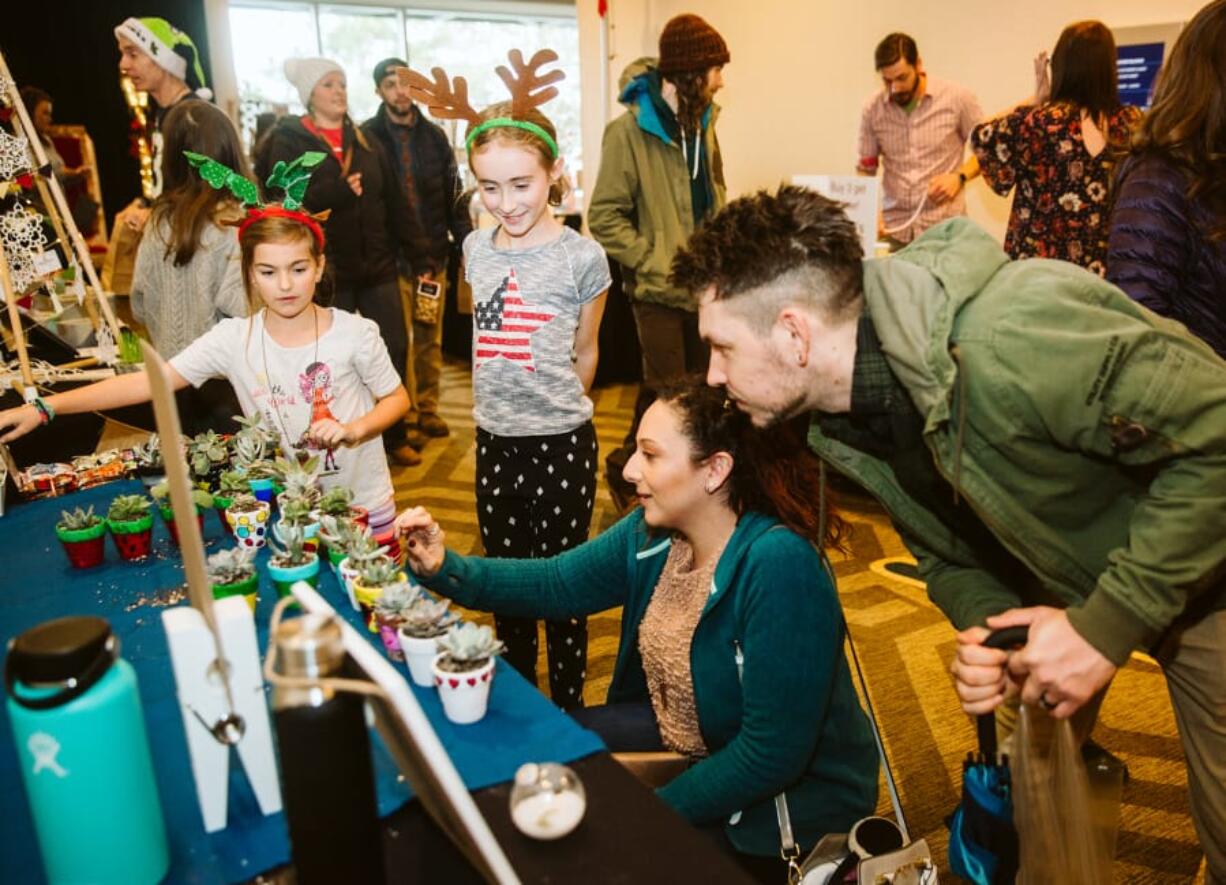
[(1087, 433)]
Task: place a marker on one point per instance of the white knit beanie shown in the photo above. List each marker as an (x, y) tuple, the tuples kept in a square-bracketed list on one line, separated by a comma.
[(304, 73)]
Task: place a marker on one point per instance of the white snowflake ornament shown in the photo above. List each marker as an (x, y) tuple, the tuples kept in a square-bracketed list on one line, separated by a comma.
[(23, 238), (14, 156)]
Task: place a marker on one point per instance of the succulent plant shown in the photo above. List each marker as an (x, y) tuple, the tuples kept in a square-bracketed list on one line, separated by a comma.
[(335, 501), (468, 646), (300, 481), (205, 452), (244, 502), (128, 508), (232, 482), (149, 454), (427, 617), (78, 520), (292, 549), (248, 451), (379, 572), (364, 548), (295, 511), (252, 427), (394, 602), (231, 566), (161, 493)]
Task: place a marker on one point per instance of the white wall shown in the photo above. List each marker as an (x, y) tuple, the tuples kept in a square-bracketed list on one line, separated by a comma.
[(801, 69)]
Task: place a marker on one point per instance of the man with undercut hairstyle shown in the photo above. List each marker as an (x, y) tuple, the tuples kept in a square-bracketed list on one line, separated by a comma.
[(1052, 453)]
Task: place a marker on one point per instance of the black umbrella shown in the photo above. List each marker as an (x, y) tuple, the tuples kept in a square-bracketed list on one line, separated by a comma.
[(983, 846)]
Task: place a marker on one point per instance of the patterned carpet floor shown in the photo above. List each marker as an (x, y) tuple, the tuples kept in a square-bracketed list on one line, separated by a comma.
[(905, 645)]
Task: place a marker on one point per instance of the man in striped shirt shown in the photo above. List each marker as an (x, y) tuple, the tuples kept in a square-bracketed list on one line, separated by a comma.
[(918, 126)]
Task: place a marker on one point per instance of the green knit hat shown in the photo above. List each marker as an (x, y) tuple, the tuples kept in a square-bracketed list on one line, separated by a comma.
[(171, 50)]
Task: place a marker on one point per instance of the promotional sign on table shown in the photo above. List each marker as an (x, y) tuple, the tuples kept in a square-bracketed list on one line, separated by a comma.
[(859, 193), (40, 584)]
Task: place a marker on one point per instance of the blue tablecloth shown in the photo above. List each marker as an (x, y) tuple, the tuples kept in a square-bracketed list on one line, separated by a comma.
[(38, 584)]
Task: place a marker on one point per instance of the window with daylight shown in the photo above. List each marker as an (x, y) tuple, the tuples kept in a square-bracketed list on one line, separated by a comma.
[(264, 33)]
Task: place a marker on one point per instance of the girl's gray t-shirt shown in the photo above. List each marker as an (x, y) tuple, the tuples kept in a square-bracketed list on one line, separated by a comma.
[(526, 305)]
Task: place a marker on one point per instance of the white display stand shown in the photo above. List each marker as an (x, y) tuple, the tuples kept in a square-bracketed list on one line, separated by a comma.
[(859, 192)]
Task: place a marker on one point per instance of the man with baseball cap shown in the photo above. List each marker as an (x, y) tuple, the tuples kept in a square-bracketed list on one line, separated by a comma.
[(660, 177), (425, 165), (162, 61)]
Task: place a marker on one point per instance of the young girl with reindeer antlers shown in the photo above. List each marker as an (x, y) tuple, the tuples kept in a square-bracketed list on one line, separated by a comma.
[(538, 296), (322, 377)]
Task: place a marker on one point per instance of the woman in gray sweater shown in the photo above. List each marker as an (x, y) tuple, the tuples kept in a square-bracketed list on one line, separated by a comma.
[(187, 274)]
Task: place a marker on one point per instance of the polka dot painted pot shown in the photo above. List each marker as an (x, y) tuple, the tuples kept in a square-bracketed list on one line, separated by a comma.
[(250, 527)]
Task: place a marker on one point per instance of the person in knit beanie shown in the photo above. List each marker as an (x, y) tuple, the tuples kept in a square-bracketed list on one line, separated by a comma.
[(661, 176), (163, 62)]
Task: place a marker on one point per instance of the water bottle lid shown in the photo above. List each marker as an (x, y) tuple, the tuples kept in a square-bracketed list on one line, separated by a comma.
[(75, 651)]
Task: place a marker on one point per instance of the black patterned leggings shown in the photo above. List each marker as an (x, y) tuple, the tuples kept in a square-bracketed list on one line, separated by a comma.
[(534, 500)]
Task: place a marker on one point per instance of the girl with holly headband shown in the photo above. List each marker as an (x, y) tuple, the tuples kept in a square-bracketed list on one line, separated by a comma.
[(268, 356)]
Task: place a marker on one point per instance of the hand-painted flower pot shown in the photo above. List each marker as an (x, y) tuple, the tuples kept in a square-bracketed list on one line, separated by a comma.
[(250, 527), (248, 588), (168, 516), (346, 576), (359, 515), (335, 557), (389, 633), (262, 489), (85, 547), (419, 654), (133, 537), (367, 597), (310, 534), (465, 695), (284, 577)]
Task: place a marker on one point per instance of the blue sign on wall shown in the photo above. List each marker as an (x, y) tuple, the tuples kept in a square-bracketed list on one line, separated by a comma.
[(1137, 67)]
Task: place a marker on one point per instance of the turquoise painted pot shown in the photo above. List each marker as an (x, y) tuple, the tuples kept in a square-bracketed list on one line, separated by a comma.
[(285, 578)]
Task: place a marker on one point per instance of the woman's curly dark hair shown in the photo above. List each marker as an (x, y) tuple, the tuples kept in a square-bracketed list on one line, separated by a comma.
[(773, 470)]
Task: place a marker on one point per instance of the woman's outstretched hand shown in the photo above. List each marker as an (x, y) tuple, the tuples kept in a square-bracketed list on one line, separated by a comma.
[(423, 541)]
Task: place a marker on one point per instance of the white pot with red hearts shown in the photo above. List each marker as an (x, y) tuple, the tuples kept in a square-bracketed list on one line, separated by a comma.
[(465, 693)]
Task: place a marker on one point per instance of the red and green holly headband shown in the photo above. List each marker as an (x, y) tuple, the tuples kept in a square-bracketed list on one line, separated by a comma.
[(449, 98), (292, 178)]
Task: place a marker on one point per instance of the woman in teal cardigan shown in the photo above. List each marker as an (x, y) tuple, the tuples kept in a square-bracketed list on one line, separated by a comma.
[(722, 550)]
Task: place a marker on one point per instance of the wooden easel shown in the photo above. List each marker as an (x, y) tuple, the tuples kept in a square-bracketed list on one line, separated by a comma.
[(56, 206)]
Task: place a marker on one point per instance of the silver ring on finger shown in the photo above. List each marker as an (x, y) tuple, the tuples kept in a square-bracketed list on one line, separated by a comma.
[(1045, 703)]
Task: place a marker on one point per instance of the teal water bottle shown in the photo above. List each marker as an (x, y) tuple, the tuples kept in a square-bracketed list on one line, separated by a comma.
[(80, 736)]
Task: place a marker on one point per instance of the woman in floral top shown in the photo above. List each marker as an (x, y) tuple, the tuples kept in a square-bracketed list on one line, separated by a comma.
[(1057, 151)]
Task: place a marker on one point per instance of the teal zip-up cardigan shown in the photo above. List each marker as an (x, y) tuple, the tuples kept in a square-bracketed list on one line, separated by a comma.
[(791, 721)]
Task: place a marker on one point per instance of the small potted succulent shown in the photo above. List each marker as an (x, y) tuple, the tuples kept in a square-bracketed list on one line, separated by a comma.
[(161, 493), (247, 517), (292, 561), (464, 669), (374, 577), (83, 534), (389, 612), (359, 549), (229, 484), (207, 457), (421, 624), (249, 460), (148, 457), (338, 502), (337, 533), (131, 525), (300, 496), (232, 573), (253, 426)]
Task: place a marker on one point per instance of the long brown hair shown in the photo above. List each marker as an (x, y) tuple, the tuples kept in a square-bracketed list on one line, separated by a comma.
[(1083, 69), (523, 138), (773, 470), (1187, 122), (188, 203)]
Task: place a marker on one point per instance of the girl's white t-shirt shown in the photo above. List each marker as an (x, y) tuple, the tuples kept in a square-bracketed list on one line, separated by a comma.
[(292, 387)]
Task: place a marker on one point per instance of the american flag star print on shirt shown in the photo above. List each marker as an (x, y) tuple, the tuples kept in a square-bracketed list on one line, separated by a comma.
[(505, 324)]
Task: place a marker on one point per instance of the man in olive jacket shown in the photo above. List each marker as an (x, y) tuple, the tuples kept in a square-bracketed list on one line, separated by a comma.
[(660, 175), (1053, 453)]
